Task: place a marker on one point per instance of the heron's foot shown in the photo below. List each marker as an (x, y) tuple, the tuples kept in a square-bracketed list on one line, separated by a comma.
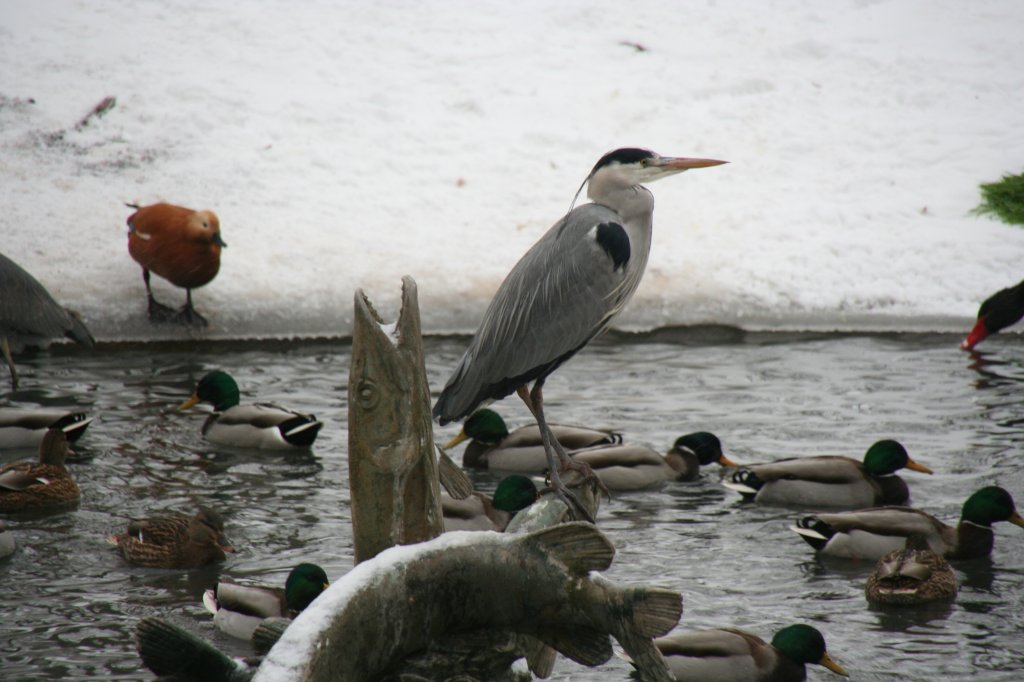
[(160, 313), (586, 475), (190, 317), (576, 508)]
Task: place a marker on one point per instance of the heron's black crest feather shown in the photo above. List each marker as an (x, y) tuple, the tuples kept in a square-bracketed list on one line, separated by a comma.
[(626, 155), (613, 239)]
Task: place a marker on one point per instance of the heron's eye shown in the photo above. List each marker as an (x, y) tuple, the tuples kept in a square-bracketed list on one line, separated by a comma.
[(644, 162)]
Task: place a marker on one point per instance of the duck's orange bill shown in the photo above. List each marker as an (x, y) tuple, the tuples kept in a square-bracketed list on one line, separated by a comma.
[(914, 466), (455, 441), (726, 462), (189, 403), (1016, 519), (827, 661)]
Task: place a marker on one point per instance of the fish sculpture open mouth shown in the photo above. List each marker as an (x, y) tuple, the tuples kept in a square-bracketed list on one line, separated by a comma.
[(392, 461)]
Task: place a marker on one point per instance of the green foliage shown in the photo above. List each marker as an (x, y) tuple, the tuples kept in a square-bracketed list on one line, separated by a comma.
[(1004, 199)]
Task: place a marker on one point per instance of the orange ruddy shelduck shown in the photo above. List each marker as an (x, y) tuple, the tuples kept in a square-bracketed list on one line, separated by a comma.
[(182, 246)]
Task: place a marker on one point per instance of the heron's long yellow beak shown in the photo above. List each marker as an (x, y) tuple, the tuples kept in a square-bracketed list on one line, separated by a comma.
[(189, 403)]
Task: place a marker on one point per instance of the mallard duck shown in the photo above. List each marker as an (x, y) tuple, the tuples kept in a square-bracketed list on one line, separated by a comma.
[(481, 512), (998, 311), (175, 540), (182, 246), (28, 486), (830, 480), (492, 446), (261, 425), (635, 467), (738, 656), (29, 316), (912, 576), (25, 428), (238, 608), (871, 533)]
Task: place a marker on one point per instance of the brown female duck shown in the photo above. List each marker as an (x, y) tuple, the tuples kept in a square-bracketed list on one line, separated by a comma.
[(175, 540), (46, 484)]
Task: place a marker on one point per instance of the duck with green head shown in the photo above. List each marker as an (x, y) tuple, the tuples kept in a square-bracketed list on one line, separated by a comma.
[(239, 608), (830, 480), (491, 445), (482, 512), (260, 425), (634, 467), (872, 533), (737, 656), (174, 540), (912, 576), (42, 485)]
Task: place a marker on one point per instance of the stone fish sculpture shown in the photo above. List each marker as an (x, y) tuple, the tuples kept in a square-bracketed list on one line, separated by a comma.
[(537, 584)]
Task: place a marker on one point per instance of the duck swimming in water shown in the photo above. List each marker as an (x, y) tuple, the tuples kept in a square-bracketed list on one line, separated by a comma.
[(482, 512), (634, 467), (732, 655), (175, 540), (493, 446), (912, 576), (260, 425), (872, 533), (829, 480), (26, 427), (239, 608), (44, 484)]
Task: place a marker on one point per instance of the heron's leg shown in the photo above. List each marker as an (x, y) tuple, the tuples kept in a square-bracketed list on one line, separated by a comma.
[(537, 400), (158, 312), (534, 402), (189, 315), (5, 347)]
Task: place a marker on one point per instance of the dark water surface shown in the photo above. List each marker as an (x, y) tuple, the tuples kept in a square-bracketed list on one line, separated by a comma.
[(71, 603)]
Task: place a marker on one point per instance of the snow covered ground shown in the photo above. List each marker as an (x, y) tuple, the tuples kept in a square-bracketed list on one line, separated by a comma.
[(345, 144)]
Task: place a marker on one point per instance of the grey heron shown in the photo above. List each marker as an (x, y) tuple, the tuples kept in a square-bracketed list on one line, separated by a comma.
[(563, 292), (29, 316)]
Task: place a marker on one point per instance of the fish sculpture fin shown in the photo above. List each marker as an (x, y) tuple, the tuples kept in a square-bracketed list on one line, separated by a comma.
[(584, 645), (167, 649), (580, 546), (655, 611), (542, 660)]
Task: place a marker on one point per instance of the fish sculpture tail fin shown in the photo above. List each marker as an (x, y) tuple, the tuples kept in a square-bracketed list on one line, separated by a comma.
[(167, 649), (654, 611), (541, 660), (580, 546), (586, 646)]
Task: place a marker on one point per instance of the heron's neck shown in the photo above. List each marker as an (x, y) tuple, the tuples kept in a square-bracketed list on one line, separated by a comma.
[(629, 201)]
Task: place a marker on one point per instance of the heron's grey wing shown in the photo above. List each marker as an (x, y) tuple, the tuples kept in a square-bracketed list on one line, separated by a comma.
[(562, 292), (27, 310)]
